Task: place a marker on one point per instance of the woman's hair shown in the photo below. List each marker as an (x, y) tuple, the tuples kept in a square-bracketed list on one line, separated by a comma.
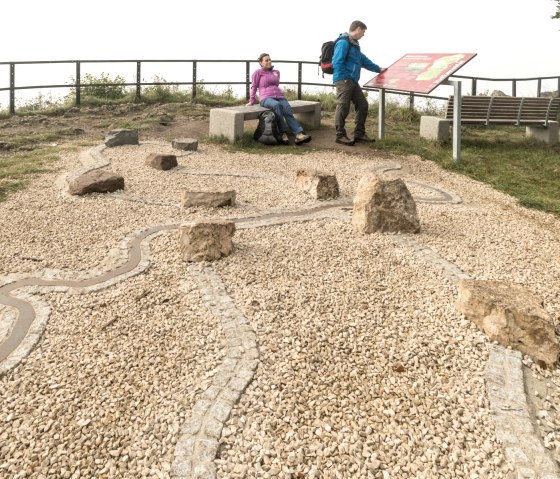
[(262, 55)]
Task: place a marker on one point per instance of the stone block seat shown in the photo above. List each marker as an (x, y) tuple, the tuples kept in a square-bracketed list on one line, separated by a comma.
[(538, 115), (229, 121)]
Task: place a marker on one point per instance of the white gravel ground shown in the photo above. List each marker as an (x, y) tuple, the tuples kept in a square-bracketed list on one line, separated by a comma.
[(366, 369)]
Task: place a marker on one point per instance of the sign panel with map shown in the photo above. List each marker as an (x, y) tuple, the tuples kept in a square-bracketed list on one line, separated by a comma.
[(420, 72)]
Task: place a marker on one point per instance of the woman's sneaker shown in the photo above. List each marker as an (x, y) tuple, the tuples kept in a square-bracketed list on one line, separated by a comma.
[(302, 138), (284, 139)]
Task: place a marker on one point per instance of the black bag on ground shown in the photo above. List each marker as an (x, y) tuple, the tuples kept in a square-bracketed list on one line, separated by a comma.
[(267, 129)]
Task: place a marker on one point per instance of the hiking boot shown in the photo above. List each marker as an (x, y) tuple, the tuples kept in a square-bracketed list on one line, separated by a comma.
[(301, 137), (344, 140), (284, 139), (363, 137)]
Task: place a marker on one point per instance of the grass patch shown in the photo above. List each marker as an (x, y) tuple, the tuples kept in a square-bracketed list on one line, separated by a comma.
[(18, 168)]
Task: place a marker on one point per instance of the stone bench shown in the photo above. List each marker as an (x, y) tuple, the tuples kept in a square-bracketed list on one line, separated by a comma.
[(229, 121)]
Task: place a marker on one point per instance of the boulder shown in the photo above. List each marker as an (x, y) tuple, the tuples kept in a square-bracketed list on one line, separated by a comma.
[(96, 181), (161, 162), (206, 239), (210, 199), (384, 205), (320, 185), (511, 315), (188, 144), (121, 137)]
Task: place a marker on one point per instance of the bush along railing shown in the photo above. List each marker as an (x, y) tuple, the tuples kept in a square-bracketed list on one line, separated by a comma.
[(87, 83)]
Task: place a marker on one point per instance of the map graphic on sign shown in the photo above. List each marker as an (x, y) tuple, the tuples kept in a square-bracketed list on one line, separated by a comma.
[(420, 72)]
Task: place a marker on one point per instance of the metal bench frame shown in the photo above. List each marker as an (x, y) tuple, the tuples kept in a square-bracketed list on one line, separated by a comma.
[(506, 110)]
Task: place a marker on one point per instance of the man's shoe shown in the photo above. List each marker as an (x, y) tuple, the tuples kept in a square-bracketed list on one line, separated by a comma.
[(344, 140), (284, 139), (301, 137), (363, 137)]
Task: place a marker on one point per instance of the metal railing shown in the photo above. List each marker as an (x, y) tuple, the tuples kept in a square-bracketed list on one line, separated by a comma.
[(78, 86)]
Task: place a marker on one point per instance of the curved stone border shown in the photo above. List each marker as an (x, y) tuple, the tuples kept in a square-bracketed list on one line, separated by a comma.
[(197, 446), (446, 196), (32, 312)]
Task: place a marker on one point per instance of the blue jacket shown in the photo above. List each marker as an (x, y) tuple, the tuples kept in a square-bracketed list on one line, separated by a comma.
[(348, 68)]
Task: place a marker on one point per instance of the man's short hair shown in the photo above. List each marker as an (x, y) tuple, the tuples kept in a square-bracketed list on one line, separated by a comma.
[(357, 24)]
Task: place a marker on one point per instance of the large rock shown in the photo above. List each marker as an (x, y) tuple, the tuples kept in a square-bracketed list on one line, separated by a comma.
[(206, 240), (320, 185), (210, 199), (121, 137), (161, 162), (511, 315), (384, 205), (96, 181)]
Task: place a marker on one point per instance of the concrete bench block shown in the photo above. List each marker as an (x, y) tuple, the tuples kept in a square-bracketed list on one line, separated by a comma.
[(434, 128), (226, 122), (229, 121), (548, 135)]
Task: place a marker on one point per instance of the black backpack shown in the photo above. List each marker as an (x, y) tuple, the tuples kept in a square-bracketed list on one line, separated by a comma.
[(267, 129), (327, 52)]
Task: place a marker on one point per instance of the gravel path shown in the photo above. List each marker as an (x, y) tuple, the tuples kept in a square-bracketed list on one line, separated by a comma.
[(365, 369)]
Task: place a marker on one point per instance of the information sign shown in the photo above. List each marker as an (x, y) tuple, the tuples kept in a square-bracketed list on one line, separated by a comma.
[(420, 72)]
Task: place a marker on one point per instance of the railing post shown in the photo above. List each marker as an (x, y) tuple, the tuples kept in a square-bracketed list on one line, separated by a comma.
[(247, 80), (299, 78), (77, 84), (539, 86), (473, 87), (138, 80), (513, 88), (193, 80), (558, 88), (12, 88)]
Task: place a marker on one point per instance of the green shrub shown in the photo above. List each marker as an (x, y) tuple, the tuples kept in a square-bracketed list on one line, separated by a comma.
[(102, 87)]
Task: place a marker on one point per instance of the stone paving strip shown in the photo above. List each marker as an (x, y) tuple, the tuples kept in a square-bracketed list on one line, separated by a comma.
[(24, 315), (505, 387)]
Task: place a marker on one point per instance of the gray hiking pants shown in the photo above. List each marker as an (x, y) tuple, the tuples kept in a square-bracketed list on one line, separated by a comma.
[(348, 91)]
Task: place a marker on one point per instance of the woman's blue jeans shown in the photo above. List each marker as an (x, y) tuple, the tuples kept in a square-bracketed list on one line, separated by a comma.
[(284, 113)]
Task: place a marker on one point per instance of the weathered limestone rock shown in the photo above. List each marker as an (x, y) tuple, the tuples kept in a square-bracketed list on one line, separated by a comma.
[(161, 162), (210, 199), (320, 185), (384, 205), (206, 240), (121, 137), (511, 315), (96, 181), (187, 144)]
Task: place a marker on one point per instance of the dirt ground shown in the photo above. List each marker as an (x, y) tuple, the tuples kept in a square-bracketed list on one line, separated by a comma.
[(167, 122)]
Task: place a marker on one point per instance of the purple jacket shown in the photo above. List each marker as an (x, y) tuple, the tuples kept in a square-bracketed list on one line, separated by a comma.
[(266, 81)]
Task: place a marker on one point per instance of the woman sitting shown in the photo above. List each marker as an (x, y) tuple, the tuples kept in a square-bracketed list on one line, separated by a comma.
[(266, 80)]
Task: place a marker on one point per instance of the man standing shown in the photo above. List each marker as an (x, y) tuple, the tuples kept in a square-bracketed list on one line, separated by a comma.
[(348, 61)]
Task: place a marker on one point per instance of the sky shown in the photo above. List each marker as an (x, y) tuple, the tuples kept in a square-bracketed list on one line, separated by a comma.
[(511, 39)]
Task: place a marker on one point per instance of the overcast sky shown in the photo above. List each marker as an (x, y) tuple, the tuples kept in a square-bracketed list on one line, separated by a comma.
[(512, 39)]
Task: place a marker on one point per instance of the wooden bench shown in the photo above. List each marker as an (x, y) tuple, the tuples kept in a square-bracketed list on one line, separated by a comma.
[(538, 115), (229, 121)]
